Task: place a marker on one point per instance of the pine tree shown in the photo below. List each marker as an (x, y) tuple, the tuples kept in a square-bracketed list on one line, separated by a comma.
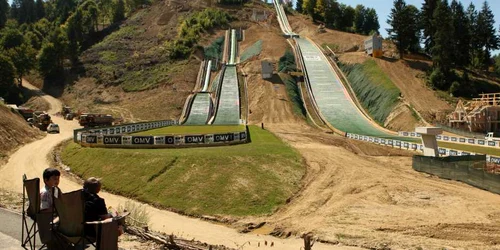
[(4, 11), (414, 34), (40, 9), (462, 37), (427, 15), (14, 9), (404, 22), (486, 33), (442, 51), (27, 12), (298, 6)]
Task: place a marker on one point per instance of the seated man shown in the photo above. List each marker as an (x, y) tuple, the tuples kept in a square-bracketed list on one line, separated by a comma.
[(51, 179), (95, 207)]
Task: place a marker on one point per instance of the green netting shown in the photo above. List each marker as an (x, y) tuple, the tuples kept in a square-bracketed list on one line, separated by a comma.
[(251, 51), (468, 169), (373, 88), (214, 51)]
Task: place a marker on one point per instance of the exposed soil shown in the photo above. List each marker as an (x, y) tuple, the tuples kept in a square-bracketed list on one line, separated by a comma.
[(344, 41), (402, 119), (14, 132), (357, 196), (410, 82)]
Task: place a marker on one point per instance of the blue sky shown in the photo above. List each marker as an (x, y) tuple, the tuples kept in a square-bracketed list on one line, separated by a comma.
[(383, 8)]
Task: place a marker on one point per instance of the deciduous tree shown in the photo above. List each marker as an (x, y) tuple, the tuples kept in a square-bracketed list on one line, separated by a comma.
[(371, 21), (119, 11), (360, 19)]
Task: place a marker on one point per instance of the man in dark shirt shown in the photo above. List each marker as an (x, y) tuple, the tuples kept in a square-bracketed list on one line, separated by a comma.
[(95, 207)]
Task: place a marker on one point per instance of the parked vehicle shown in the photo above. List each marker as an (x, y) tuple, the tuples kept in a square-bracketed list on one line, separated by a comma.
[(41, 120), (95, 120), (491, 137), (53, 128)]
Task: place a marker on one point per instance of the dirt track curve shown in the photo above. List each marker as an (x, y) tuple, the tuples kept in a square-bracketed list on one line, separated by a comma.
[(32, 159)]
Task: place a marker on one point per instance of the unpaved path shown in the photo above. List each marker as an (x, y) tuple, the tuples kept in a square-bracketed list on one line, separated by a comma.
[(32, 160)]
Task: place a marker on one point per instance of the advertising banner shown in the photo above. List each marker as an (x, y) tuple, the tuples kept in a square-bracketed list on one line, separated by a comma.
[(224, 137), (112, 140), (190, 139), (91, 139), (142, 140)]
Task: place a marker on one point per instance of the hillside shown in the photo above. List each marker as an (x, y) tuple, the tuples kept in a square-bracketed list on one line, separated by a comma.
[(14, 132), (129, 72), (408, 75)]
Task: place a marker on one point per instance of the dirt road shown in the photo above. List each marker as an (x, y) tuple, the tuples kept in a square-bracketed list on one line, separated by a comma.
[(32, 160)]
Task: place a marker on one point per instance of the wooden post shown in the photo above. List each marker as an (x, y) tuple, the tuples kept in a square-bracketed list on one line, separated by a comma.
[(307, 242)]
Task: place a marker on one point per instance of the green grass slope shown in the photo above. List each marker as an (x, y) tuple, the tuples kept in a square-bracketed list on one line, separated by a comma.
[(376, 92), (249, 179)]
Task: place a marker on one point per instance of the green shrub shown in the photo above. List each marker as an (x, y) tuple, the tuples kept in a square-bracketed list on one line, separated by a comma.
[(438, 79), (190, 29)]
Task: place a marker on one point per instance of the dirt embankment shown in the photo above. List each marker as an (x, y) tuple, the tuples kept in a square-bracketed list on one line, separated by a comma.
[(14, 132)]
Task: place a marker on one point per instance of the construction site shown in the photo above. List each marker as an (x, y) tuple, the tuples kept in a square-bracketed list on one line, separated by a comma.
[(238, 153), (481, 115)]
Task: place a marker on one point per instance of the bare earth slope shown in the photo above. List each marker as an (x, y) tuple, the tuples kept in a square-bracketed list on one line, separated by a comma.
[(269, 102), (14, 132), (405, 78)]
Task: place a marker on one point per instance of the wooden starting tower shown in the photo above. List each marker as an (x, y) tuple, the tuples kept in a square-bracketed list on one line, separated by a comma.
[(478, 115)]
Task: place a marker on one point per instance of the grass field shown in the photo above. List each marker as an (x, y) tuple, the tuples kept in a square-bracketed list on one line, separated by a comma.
[(247, 179), (203, 129)]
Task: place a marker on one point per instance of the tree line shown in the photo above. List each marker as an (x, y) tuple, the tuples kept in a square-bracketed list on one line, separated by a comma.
[(454, 36), (335, 15), (43, 35)]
